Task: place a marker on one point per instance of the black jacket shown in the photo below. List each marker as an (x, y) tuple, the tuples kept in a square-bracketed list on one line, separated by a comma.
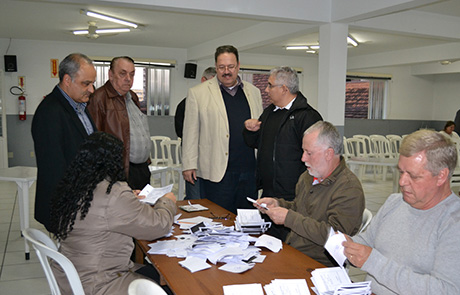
[(57, 133), (287, 153)]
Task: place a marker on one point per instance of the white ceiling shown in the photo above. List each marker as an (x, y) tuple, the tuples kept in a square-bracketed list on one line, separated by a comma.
[(254, 26)]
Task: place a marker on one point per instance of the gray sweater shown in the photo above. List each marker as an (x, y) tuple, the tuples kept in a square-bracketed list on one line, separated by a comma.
[(414, 251)]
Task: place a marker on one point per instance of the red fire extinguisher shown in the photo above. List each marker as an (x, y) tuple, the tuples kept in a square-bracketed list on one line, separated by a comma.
[(15, 90), (22, 107)]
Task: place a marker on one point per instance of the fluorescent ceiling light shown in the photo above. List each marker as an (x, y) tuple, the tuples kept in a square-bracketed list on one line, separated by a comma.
[(314, 47), (102, 31), (311, 51), (108, 18), (111, 31), (352, 41), (301, 47)]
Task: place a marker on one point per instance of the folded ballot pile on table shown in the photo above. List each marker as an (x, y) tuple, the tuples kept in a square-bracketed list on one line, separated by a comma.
[(204, 240), (250, 221)]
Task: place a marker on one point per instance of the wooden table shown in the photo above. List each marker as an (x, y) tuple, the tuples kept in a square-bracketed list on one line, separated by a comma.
[(288, 263), (24, 178)]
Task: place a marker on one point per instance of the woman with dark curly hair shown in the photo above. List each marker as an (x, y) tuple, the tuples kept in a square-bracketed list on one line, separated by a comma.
[(95, 215)]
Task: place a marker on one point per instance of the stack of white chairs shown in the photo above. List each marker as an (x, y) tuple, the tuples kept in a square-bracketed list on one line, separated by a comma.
[(381, 149), (158, 166), (356, 148), (395, 143), (172, 154), (46, 250), (367, 150), (156, 155)]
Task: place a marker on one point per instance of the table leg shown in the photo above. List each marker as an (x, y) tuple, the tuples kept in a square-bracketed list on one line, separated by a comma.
[(23, 201)]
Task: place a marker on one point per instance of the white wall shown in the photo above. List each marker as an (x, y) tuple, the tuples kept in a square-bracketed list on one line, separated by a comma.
[(446, 96), (410, 97), (33, 59)]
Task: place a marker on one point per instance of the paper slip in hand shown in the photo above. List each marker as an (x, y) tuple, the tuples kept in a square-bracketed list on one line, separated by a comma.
[(334, 246), (263, 205), (272, 243), (153, 194)]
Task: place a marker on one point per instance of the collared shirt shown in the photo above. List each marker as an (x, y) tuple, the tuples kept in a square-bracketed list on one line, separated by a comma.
[(139, 134), (79, 108), (232, 90), (287, 107)]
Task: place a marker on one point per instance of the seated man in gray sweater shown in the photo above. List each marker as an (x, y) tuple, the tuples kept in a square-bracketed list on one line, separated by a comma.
[(412, 245)]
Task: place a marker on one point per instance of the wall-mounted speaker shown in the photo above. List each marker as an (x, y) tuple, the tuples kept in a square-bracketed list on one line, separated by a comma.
[(10, 63), (190, 71)]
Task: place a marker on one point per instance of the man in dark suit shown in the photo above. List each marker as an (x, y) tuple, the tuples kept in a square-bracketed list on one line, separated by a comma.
[(60, 124)]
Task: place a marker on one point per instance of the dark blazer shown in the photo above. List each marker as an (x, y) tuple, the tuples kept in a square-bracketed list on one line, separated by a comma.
[(287, 149), (57, 133)]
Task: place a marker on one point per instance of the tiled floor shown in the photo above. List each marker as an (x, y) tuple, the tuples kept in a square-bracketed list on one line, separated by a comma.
[(21, 277)]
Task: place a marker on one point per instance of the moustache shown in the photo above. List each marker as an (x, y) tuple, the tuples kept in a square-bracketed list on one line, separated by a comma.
[(226, 75)]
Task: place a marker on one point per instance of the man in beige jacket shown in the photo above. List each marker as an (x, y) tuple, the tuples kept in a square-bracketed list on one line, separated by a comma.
[(213, 146)]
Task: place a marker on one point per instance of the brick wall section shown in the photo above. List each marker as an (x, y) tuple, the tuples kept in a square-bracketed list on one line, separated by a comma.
[(357, 99), (261, 81)]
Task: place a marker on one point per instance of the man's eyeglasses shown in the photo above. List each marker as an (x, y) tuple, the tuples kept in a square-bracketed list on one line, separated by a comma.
[(270, 86), (225, 217), (222, 68)]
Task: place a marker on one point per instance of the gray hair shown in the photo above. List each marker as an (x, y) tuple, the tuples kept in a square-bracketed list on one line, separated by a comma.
[(71, 65), (209, 73), (440, 151), (287, 76), (328, 136)]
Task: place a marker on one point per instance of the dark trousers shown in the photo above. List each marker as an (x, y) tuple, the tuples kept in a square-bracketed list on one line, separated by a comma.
[(193, 191), (139, 175), (231, 192)]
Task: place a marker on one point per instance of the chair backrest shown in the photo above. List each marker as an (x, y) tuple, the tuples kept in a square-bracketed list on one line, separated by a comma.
[(156, 155), (171, 150), (144, 287), (368, 145), (347, 149), (395, 143), (367, 217), (380, 146), (46, 249), (357, 147)]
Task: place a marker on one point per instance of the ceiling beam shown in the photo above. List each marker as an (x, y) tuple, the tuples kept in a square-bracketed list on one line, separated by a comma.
[(255, 36), (449, 51), (416, 23), (354, 10)]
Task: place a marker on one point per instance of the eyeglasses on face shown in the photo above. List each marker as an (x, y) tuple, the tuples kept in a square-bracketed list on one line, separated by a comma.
[(225, 217), (270, 86), (222, 68)]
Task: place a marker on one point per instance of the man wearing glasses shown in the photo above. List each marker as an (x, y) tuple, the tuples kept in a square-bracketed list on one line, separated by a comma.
[(277, 136), (213, 145)]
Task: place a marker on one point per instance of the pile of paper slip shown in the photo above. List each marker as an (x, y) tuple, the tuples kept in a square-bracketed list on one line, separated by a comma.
[(216, 243), (250, 221), (276, 287)]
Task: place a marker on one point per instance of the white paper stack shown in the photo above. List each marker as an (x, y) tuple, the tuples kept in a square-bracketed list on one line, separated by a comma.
[(335, 281), (287, 287), (250, 221)]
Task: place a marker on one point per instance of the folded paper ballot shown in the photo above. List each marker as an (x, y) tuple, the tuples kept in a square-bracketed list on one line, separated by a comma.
[(152, 194), (334, 246)]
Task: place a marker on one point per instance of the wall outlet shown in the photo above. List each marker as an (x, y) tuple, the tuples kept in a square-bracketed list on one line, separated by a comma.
[(32, 154), (10, 155)]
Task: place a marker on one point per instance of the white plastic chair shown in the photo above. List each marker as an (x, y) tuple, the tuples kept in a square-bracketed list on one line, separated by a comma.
[(172, 153), (381, 149), (395, 143), (367, 217), (156, 155), (46, 249), (144, 287)]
